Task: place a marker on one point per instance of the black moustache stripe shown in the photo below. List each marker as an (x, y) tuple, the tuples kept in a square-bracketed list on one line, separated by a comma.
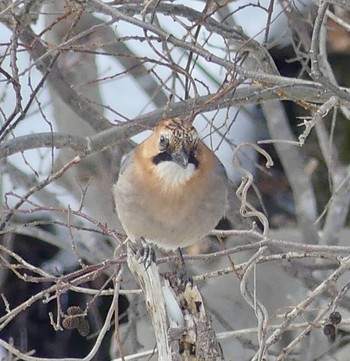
[(162, 157), (166, 157)]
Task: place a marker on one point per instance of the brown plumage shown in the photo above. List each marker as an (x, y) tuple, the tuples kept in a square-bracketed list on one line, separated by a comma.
[(172, 189)]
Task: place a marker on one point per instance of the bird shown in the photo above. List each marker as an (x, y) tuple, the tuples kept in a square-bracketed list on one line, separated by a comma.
[(171, 189)]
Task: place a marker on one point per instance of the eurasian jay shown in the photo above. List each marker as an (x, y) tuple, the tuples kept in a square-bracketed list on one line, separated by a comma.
[(172, 189)]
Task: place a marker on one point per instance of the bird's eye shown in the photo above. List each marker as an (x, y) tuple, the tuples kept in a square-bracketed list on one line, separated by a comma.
[(163, 142)]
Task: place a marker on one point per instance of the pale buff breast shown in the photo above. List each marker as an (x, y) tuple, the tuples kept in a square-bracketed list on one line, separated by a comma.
[(166, 216)]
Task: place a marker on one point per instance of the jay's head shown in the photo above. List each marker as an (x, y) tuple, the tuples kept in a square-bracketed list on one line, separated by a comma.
[(172, 153), (177, 142)]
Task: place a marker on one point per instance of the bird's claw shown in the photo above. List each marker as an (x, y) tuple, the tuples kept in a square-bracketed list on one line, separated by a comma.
[(183, 276), (145, 253), (181, 271)]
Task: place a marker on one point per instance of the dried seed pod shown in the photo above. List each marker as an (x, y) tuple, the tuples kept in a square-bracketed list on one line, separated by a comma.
[(73, 318), (335, 318), (84, 327), (71, 322), (74, 310), (329, 330)]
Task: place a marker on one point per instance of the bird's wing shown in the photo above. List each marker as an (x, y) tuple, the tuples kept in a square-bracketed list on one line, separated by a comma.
[(220, 169), (127, 161)]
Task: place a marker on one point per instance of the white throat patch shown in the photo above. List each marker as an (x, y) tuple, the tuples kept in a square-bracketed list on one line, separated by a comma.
[(173, 175)]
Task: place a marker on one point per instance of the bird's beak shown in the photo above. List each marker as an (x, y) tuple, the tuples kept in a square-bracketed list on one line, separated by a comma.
[(181, 158)]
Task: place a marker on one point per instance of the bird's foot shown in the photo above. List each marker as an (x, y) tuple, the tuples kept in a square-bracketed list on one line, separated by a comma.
[(181, 270), (145, 252), (183, 276)]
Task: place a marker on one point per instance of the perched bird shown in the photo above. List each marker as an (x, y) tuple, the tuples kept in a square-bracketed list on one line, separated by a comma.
[(172, 189)]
